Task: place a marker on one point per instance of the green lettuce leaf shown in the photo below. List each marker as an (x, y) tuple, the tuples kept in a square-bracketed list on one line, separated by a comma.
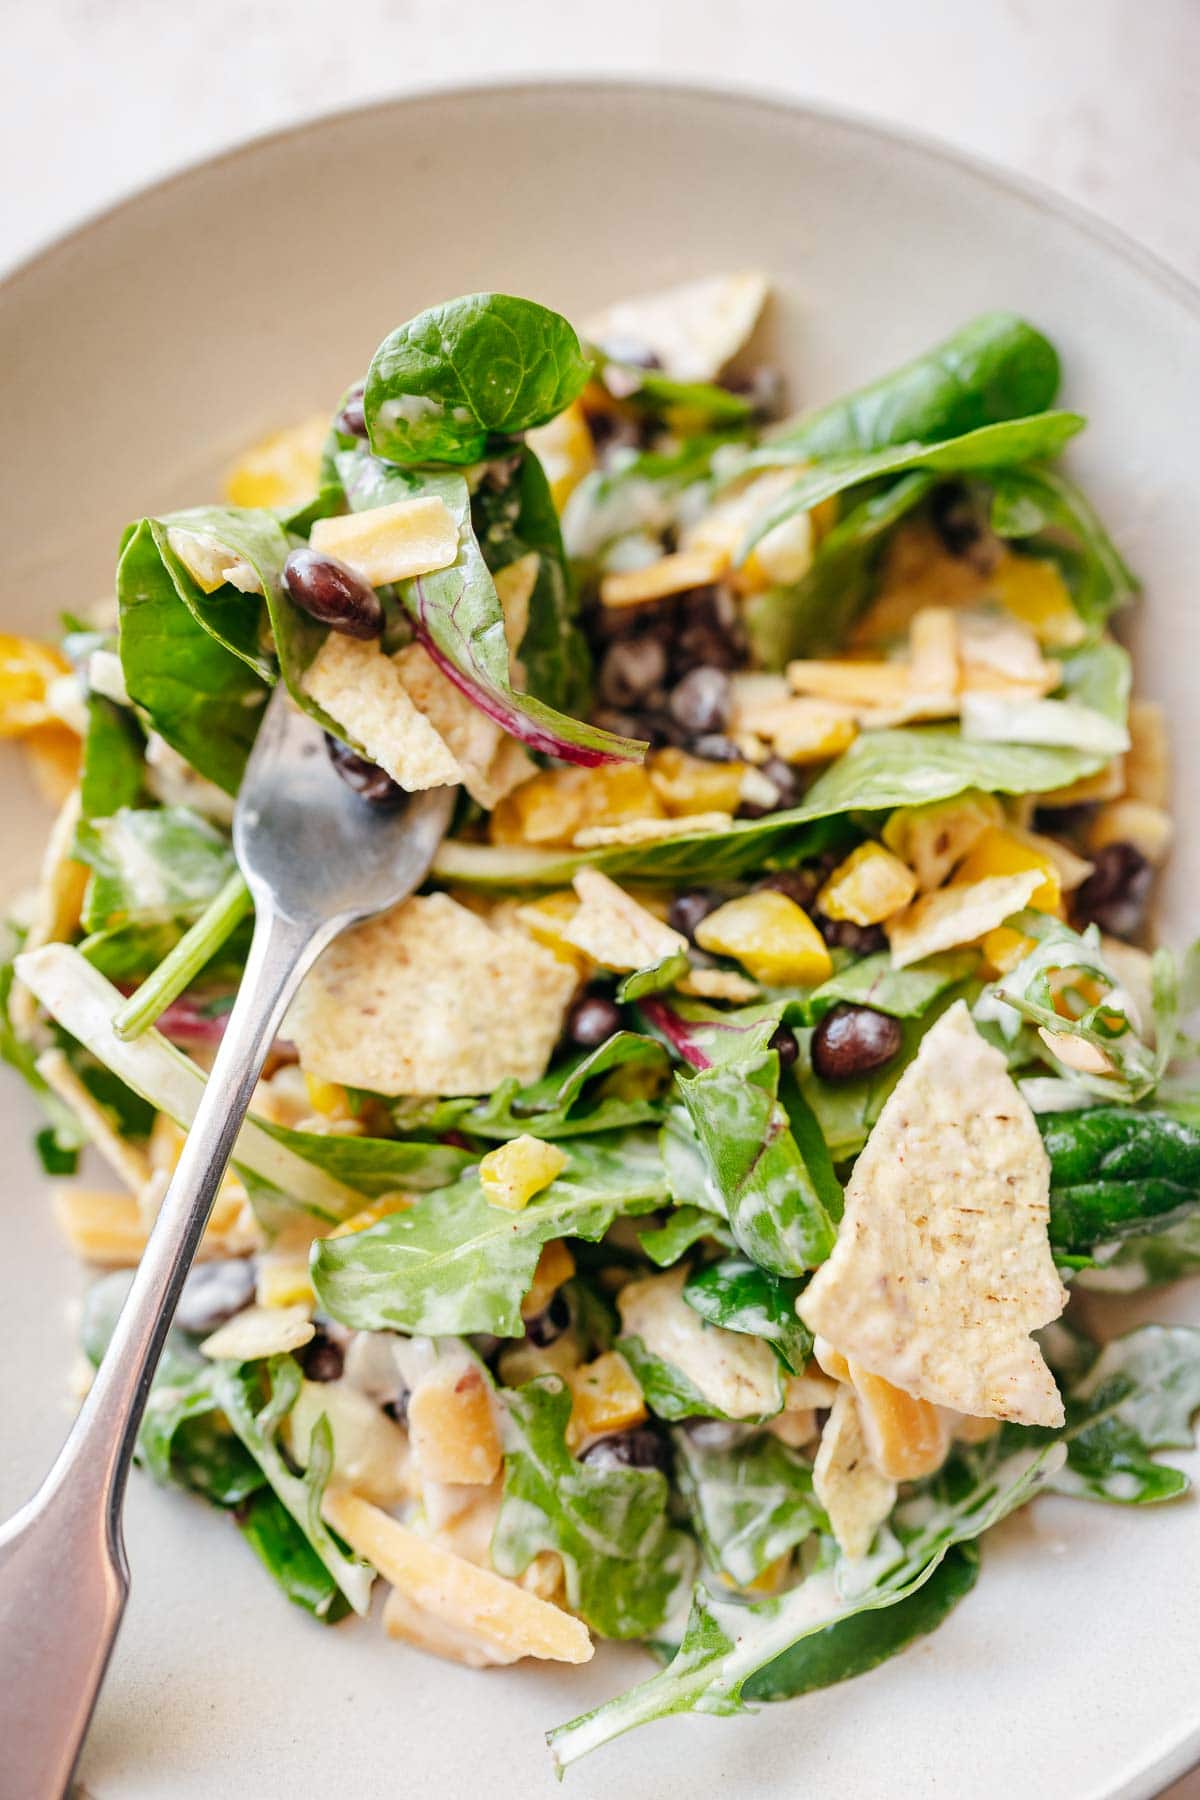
[(626, 1568), (113, 760), (749, 1503)]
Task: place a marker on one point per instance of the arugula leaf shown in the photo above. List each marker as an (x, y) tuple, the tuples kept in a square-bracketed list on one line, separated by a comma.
[(440, 386), (739, 1296), (456, 614), (625, 1566), (454, 1264), (560, 1104), (113, 760), (815, 613), (374, 1166), (989, 446), (664, 1244), (201, 697), (773, 1200), (284, 1551), (1042, 506), (726, 1642), (749, 1503), (1114, 1170), (996, 367), (866, 1639), (151, 866), (904, 993), (1137, 1397)]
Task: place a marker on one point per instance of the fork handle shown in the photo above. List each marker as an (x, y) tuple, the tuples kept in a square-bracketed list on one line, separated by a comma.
[(63, 1572)]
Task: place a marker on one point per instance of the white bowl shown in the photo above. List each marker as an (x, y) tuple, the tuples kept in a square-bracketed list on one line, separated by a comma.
[(141, 353)]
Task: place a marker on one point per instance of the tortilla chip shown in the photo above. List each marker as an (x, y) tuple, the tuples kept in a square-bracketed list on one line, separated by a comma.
[(674, 574), (693, 329), (474, 740), (999, 651), (429, 999), (957, 915), (648, 831), (611, 927), (856, 1497), (363, 691), (942, 1265), (719, 984)]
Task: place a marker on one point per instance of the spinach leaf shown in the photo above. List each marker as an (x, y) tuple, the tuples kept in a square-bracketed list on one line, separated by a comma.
[(151, 866), (200, 696), (1115, 1170), (1147, 1260), (773, 1200), (814, 614), (990, 446), (624, 1565), (439, 387), (749, 1503), (520, 520), (113, 760), (564, 1104), (456, 614), (904, 993), (997, 367), (639, 492), (454, 1264), (1137, 1397), (284, 1551), (727, 1642), (664, 1244), (866, 1639), (739, 1296), (1043, 507)]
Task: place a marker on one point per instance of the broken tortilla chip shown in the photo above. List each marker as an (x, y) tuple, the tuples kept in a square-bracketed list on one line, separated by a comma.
[(942, 1266), (648, 831), (362, 691), (474, 740), (614, 930), (856, 1497), (953, 915), (429, 999)]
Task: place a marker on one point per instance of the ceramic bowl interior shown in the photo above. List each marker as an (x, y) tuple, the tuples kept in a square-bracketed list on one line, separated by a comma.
[(140, 355)]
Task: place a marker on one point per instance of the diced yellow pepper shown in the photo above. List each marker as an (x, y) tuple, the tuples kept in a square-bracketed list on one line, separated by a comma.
[(690, 784), (514, 1172), (280, 470), (554, 1266), (605, 1396), (1001, 852), (552, 806), (932, 838), (284, 1281), (1032, 589), (27, 669), (869, 886), (565, 450), (1004, 948), (329, 1098), (383, 1208), (772, 938)]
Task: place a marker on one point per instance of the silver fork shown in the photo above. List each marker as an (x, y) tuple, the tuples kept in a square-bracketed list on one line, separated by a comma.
[(316, 858)]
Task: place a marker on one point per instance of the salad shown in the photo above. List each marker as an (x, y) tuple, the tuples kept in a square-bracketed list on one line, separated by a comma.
[(676, 1222)]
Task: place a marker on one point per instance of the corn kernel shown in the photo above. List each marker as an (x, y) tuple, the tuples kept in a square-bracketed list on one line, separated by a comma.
[(1001, 852), (690, 784), (27, 669), (383, 1208), (514, 1172), (1032, 589), (1148, 828), (932, 838), (554, 1266), (329, 1098), (565, 449), (605, 1396), (280, 470), (552, 806), (772, 938), (869, 886), (905, 1436)]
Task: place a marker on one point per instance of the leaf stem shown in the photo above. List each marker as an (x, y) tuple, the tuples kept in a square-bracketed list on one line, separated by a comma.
[(179, 968)]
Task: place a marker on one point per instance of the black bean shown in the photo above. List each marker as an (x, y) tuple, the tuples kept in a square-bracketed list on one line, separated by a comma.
[(1114, 895), (592, 1020), (397, 1408), (844, 934), (213, 1293), (701, 701), (321, 1359), (799, 885), (641, 1447), (687, 910), (783, 1043), (352, 420), (703, 646), (548, 1325), (853, 1040), (333, 593), (368, 780), (954, 517), (632, 668), (714, 748), (783, 779)]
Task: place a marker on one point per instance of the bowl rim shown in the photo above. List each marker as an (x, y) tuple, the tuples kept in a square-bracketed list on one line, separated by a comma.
[(1183, 1754), (1031, 192)]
